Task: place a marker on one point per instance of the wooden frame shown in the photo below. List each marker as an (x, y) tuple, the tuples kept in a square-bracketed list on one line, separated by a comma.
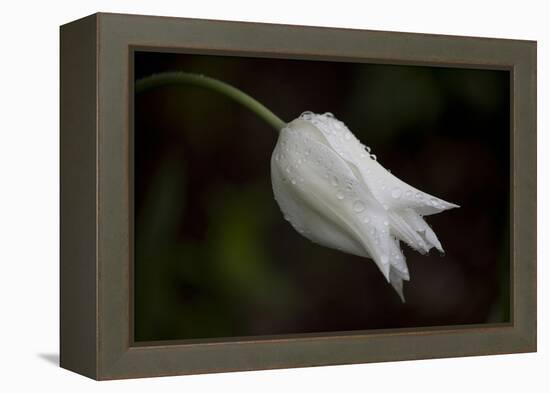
[(96, 257)]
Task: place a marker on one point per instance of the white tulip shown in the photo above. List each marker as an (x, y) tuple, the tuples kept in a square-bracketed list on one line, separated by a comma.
[(335, 193)]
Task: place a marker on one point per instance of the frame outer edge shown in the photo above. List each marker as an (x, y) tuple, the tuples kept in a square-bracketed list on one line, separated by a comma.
[(526, 193), (116, 356), (78, 197)]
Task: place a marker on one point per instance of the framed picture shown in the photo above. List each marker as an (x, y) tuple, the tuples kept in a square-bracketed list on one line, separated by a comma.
[(242, 196)]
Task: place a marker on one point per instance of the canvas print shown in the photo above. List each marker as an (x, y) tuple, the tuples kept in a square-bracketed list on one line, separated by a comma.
[(276, 197)]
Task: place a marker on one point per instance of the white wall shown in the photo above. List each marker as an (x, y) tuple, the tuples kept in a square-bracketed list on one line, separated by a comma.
[(29, 192)]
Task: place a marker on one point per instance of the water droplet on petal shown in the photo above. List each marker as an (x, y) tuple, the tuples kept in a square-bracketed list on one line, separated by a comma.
[(334, 181), (418, 195), (366, 220), (408, 193), (287, 169), (434, 202), (367, 148), (340, 195), (347, 137), (293, 181), (373, 156), (386, 223), (328, 114), (358, 206), (396, 193)]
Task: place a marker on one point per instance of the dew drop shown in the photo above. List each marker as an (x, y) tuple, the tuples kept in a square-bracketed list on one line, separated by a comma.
[(386, 223), (347, 137), (408, 193), (328, 114), (293, 181), (358, 206), (287, 169), (434, 202), (367, 148), (418, 195), (363, 155), (366, 220), (340, 195), (396, 193), (334, 181), (373, 156)]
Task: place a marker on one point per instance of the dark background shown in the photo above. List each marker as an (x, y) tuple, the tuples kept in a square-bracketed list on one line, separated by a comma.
[(214, 256)]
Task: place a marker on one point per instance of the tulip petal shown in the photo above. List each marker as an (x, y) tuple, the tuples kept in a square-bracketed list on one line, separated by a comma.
[(407, 232), (386, 187), (303, 217), (396, 282), (415, 222), (325, 191)]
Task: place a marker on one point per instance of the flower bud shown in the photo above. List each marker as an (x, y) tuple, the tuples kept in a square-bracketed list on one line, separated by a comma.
[(333, 191)]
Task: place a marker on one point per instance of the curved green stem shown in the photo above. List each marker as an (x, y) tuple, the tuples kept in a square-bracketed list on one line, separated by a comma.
[(171, 78)]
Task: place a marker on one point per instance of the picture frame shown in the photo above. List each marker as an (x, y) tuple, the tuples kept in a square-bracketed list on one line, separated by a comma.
[(96, 250)]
